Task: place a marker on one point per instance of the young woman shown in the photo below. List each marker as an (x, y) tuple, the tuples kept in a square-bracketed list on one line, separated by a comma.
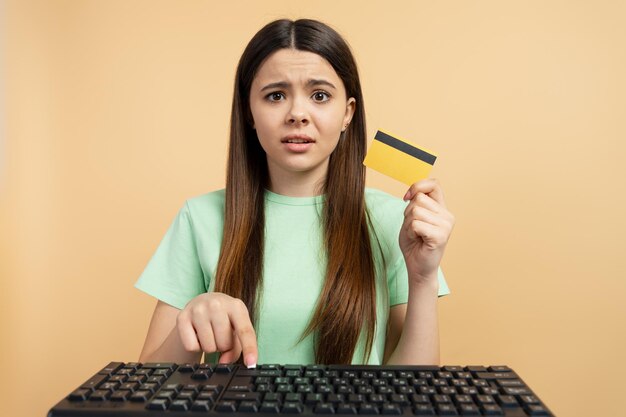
[(295, 261)]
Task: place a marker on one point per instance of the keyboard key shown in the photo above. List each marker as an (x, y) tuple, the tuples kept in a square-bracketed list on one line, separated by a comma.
[(270, 407), (164, 372), (156, 379), (496, 375), (242, 396), (537, 410), (292, 396), (207, 396), (111, 368), (130, 386), (223, 368), (201, 374), (187, 395), (488, 391), (491, 410), (226, 406), (529, 399), (446, 410), (172, 387), (137, 378), (94, 382), (420, 398), (273, 396), (423, 410), (507, 401), (180, 405), (391, 409), (379, 399), (476, 369), (215, 388), (111, 386), (140, 396), (160, 365), (346, 409), (148, 386), (249, 406), (510, 382), (147, 372), (166, 394), (100, 395), (469, 410), (313, 398), (80, 394), (158, 404), (201, 405), (292, 407), (120, 396), (187, 367), (368, 409), (324, 408), (499, 369), (463, 399), (515, 391)]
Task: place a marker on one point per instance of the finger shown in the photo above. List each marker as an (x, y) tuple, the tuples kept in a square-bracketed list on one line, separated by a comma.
[(428, 186), (424, 215), (187, 334), (432, 235), (423, 200), (222, 331), (230, 356), (240, 320), (205, 335)]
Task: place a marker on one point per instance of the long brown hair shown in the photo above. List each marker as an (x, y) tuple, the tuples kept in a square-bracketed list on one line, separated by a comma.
[(347, 303)]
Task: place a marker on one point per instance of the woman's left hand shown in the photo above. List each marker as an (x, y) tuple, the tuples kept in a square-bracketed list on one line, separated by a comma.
[(426, 229)]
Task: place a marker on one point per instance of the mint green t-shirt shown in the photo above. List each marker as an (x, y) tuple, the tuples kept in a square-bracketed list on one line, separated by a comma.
[(185, 262)]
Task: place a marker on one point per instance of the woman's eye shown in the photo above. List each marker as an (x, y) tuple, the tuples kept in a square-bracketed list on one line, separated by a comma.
[(321, 96), (274, 96)]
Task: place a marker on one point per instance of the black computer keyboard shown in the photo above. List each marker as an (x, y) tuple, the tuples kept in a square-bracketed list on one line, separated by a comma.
[(168, 389)]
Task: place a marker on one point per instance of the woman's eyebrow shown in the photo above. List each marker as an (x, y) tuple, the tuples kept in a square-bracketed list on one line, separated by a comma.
[(311, 83)]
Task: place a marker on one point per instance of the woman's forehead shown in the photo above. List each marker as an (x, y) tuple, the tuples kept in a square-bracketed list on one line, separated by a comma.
[(294, 66)]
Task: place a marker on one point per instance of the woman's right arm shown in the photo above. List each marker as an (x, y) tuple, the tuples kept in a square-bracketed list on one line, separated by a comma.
[(163, 343), (210, 322)]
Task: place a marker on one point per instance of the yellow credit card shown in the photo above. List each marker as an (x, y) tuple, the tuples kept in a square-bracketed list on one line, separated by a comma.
[(399, 159)]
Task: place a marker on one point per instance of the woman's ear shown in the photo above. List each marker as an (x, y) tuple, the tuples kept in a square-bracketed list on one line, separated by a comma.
[(350, 108)]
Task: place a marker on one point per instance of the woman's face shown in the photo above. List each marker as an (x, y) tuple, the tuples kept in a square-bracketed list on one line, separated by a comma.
[(299, 109)]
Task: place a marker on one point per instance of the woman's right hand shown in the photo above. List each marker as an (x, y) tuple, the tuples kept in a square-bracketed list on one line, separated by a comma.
[(216, 322)]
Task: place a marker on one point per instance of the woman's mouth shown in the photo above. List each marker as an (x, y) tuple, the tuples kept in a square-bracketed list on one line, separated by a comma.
[(298, 142)]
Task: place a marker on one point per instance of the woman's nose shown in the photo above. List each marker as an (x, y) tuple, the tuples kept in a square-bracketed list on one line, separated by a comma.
[(297, 113)]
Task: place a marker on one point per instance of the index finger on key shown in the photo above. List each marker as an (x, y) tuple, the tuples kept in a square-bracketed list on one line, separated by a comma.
[(429, 186), (240, 320)]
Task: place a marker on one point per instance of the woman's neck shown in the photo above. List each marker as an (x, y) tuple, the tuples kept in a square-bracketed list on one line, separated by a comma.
[(297, 184)]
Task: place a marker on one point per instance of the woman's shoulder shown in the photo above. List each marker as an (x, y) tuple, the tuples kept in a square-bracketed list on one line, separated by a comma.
[(209, 199), (209, 205)]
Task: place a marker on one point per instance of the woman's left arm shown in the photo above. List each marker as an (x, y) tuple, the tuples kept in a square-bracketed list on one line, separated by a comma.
[(413, 332)]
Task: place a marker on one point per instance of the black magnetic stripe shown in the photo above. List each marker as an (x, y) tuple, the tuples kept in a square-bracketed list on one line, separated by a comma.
[(405, 147)]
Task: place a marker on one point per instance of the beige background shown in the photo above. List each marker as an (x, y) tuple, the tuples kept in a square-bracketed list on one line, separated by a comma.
[(115, 112)]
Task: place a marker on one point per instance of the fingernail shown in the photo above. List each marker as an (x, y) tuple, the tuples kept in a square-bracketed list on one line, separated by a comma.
[(407, 195), (251, 362)]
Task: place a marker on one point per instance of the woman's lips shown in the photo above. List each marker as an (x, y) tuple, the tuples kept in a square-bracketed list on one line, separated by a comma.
[(298, 142), (298, 146)]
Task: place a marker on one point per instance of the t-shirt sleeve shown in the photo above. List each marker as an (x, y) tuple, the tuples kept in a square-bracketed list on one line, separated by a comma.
[(398, 280), (174, 274)]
